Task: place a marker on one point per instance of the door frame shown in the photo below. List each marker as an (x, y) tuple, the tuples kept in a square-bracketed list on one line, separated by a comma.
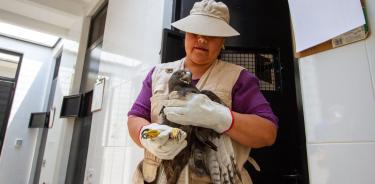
[(302, 175), (76, 173)]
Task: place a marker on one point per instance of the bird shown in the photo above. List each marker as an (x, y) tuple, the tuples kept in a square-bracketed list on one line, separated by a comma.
[(206, 152), (200, 150)]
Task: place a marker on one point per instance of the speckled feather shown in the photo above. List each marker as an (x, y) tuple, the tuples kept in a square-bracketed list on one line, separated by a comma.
[(200, 152)]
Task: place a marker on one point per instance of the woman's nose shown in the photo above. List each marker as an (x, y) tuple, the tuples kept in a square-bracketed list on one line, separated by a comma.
[(202, 39)]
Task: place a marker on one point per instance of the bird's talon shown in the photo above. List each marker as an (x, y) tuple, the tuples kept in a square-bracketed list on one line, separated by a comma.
[(150, 134), (175, 134)]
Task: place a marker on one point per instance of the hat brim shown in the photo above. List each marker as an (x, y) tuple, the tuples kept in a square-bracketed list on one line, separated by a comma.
[(205, 25)]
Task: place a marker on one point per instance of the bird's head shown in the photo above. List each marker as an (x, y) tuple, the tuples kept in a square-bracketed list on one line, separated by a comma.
[(183, 76), (180, 78)]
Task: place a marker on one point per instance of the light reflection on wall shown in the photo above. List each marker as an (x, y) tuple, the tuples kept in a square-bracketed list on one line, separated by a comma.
[(311, 95), (68, 66), (28, 74), (122, 91), (119, 59), (116, 118), (66, 75), (71, 46), (125, 76), (29, 35), (319, 156)]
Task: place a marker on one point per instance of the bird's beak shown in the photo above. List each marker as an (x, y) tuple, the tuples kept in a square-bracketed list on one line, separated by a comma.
[(186, 78)]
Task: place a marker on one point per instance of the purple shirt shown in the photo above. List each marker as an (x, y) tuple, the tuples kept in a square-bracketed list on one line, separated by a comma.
[(246, 98)]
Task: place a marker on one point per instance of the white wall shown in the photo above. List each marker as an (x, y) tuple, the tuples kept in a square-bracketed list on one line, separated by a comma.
[(131, 45), (31, 96), (59, 137), (339, 104)]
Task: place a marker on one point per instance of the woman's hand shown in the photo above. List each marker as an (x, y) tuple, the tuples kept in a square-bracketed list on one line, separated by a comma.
[(199, 110), (162, 145)]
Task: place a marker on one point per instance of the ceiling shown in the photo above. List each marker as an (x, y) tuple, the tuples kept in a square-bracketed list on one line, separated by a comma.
[(49, 16)]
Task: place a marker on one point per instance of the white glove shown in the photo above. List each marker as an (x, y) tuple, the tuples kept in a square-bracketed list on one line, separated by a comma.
[(162, 146), (199, 110)]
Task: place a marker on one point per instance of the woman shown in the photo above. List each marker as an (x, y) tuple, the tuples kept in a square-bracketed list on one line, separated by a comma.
[(247, 117)]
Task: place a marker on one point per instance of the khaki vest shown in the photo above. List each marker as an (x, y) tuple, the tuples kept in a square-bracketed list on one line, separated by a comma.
[(219, 78)]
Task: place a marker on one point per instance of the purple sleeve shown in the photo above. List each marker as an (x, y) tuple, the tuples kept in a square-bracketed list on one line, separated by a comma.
[(142, 106), (248, 99)]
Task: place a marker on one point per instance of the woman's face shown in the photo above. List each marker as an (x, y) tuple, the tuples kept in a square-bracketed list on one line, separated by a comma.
[(202, 50)]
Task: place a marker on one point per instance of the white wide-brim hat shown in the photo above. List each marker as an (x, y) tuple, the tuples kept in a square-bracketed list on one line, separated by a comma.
[(207, 18)]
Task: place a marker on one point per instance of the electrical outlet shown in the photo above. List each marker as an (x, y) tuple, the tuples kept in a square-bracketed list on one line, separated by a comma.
[(18, 143)]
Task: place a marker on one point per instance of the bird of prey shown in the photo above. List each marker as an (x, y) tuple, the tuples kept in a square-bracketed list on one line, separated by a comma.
[(200, 153)]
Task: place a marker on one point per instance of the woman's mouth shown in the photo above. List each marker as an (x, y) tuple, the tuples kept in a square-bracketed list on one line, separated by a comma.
[(201, 49)]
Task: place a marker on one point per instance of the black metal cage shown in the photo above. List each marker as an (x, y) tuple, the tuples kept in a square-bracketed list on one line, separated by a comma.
[(264, 63)]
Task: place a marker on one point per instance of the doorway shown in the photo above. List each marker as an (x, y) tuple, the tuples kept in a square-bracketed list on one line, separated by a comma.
[(10, 64), (265, 48)]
